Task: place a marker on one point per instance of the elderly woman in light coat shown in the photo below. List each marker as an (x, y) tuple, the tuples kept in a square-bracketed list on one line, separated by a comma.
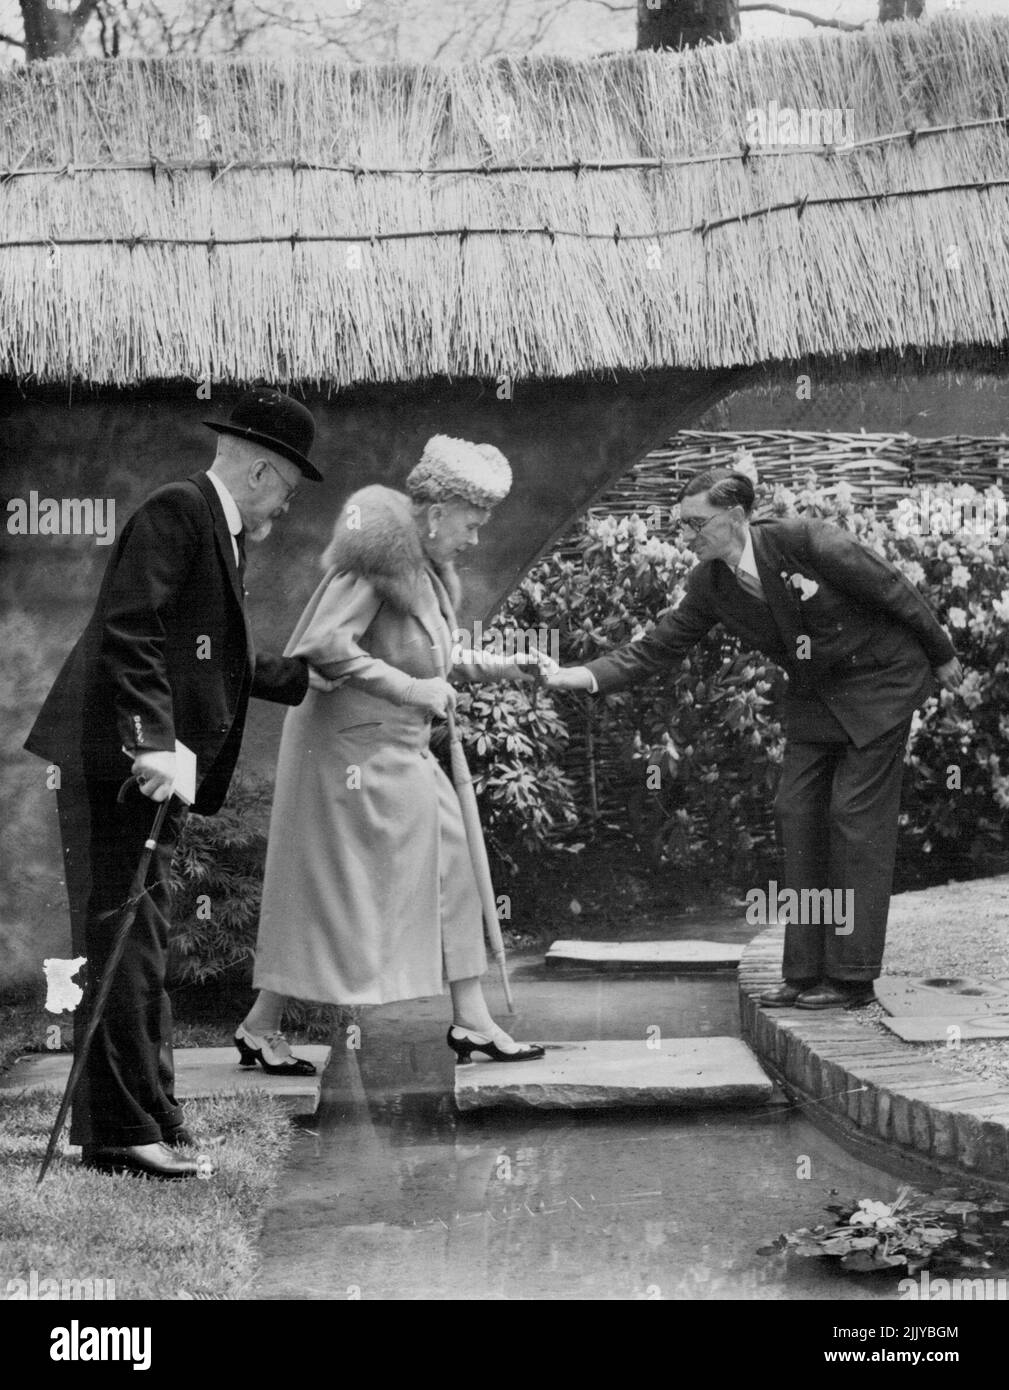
[(369, 893)]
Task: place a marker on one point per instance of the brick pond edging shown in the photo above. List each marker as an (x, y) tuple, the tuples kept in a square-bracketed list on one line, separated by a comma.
[(871, 1084)]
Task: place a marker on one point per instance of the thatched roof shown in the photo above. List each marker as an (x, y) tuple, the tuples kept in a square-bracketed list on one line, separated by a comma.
[(323, 223)]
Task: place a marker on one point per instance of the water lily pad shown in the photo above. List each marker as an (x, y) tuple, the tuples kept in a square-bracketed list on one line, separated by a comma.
[(933, 1236), (809, 1249), (864, 1262), (774, 1247)]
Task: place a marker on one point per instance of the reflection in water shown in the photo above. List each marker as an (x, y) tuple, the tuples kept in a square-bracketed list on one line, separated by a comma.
[(418, 1202)]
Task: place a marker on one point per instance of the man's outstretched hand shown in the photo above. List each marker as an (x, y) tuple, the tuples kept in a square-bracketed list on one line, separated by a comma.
[(569, 678), (536, 664), (950, 674)]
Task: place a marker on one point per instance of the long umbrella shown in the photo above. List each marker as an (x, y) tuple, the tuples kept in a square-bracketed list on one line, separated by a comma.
[(463, 781), (137, 890)]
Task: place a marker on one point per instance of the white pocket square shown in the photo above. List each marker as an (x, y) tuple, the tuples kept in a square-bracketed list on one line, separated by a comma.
[(807, 587)]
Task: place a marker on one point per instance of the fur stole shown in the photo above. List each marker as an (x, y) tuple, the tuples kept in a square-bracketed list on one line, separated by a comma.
[(376, 536)]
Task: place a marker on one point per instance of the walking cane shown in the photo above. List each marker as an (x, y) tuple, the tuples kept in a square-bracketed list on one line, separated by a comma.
[(474, 836), (137, 890)]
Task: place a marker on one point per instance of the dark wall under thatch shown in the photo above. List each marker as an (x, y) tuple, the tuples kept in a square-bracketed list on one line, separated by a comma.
[(566, 441)]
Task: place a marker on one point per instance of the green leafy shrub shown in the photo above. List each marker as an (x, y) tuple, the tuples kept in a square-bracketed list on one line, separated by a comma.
[(515, 743), (217, 879), (957, 794)]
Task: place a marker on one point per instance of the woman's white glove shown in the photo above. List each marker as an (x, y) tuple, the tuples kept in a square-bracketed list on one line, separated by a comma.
[(435, 696), (317, 681)]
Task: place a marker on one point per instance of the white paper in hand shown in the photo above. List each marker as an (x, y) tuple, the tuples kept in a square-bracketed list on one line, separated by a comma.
[(184, 786)]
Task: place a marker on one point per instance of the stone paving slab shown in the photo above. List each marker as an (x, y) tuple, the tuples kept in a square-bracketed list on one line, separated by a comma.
[(684, 1073), (905, 996), (920, 1029), (199, 1071), (651, 955)]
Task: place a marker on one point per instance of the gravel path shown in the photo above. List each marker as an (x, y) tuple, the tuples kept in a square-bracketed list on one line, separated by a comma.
[(959, 929)]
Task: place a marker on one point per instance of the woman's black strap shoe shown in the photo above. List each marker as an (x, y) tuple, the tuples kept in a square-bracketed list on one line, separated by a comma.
[(272, 1052), (490, 1047)]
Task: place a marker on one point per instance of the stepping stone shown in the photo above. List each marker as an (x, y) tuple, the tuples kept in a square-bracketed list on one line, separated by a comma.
[(645, 955), (945, 997), (919, 1028), (199, 1071), (682, 1074)]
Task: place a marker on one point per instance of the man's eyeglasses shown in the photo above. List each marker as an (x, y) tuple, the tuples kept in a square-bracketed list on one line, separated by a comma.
[(696, 524), (291, 490)]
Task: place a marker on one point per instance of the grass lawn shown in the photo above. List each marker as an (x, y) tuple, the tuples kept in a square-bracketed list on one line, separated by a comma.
[(193, 1239)]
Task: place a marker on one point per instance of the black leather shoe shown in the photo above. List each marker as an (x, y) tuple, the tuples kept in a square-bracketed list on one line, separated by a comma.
[(464, 1043), (178, 1138), (784, 996), (147, 1160), (183, 1138), (273, 1053), (838, 994)]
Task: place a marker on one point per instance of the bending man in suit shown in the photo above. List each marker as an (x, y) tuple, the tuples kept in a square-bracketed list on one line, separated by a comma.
[(862, 651), (168, 654)]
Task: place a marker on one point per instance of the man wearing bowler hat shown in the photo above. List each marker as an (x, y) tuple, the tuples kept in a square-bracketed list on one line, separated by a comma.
[(168, 654)]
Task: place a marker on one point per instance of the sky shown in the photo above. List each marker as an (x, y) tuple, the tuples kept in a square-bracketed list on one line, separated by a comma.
[(449, 30)]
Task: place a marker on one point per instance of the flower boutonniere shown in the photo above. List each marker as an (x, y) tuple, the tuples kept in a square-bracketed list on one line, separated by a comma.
[(806, 587)]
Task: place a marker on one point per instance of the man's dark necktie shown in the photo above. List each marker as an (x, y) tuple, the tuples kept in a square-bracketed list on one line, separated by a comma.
[(750, 584), (240, 542)]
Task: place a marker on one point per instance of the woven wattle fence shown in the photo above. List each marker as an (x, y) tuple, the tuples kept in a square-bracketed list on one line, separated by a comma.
[(879, 469)]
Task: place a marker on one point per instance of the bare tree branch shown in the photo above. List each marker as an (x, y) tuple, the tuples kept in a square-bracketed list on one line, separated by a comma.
[(504, 14), (15, 43), (168, 38), (800, 14)]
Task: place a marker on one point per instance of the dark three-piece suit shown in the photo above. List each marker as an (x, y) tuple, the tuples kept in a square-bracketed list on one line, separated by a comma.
[(168, 654), (859, 645)]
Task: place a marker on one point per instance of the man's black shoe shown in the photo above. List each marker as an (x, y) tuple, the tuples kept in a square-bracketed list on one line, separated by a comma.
[(148, 1160), (182, 1138), (785, 995), (838, 994)]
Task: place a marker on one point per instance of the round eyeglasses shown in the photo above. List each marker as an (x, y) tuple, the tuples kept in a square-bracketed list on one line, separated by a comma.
[(697, 524), (292, 490)]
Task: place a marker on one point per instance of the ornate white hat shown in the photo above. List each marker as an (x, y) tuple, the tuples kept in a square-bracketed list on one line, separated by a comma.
[(478, 473)]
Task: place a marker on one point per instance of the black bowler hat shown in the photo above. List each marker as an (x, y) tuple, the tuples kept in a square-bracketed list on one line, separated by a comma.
[(268, 417)]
